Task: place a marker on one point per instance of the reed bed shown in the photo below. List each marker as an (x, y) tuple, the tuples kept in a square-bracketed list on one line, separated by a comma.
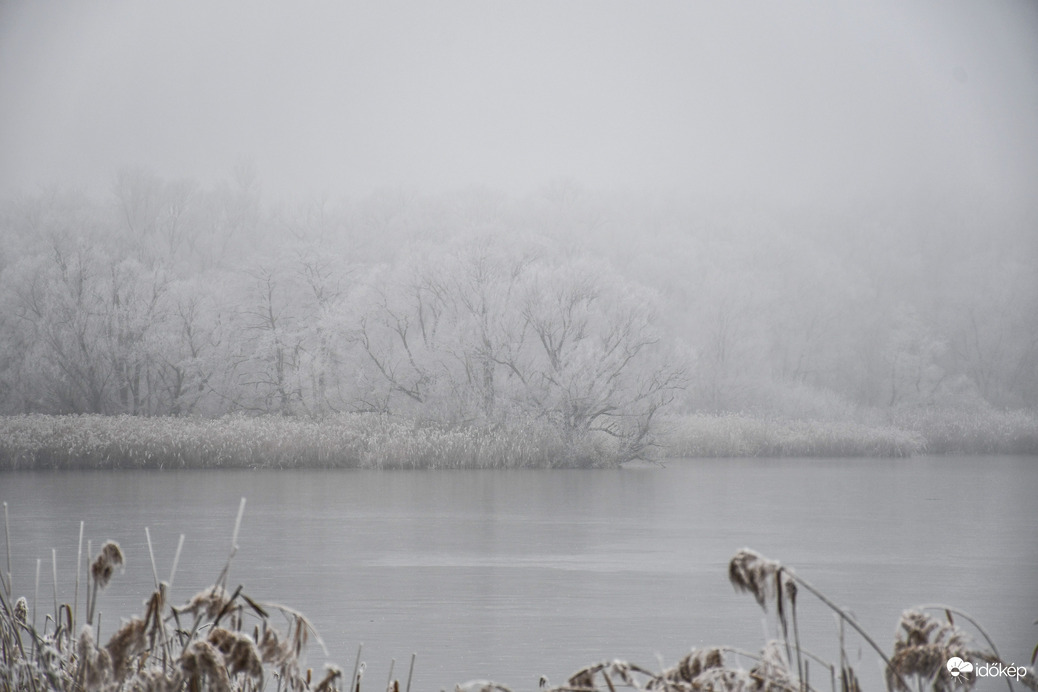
[(229, 641), (737, 435), (373, 441), (984, 431), (347, 441)]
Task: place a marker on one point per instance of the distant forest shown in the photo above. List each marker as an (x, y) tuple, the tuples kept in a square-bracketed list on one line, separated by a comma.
[(594, 310)]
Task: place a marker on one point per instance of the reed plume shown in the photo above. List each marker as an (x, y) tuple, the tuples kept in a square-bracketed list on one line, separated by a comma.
[(239, 652), (203, 666), (772, 670), (154, 680), (481, 686), (725, 680), (110, 557), (584, 679), (21, 611), (95, 665), (922, 646), (208, 603), (687, 669), (749, 571), (127, 643), (101, 571), (327, 683)]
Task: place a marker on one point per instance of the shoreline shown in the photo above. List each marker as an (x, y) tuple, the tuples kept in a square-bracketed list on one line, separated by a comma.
[(96, 442)]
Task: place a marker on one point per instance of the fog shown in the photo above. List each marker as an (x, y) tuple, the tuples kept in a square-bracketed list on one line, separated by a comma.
[(793, 103), (782, 208), (533, 234)]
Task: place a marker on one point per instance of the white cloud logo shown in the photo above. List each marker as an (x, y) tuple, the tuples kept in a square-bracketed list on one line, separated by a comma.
[(956, 666)]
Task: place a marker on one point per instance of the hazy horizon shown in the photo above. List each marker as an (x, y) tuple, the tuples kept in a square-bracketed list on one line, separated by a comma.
[(791, 103)]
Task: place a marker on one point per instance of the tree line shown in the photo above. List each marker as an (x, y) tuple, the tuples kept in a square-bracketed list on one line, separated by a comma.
[(593, 311)]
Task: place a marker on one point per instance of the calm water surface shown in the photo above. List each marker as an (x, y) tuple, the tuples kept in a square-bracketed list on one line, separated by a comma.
[(509, 575)]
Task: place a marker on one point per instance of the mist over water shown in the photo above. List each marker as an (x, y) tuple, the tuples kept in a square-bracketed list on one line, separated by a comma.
[(586, 229)]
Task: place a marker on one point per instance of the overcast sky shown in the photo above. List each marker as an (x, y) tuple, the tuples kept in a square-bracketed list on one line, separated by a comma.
[(787, 101)]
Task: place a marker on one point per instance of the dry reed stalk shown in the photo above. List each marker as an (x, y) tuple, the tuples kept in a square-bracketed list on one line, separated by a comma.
[(54, 568), (151, 555), (848, 680), (481, 686), (36, 593), (7, 585), (79, 562), (410, 672), (225, 573), (176, 560), (356, 668), (157, 628)]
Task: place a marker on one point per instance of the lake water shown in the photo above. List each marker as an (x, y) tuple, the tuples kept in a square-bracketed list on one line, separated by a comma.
[(509, 575)]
